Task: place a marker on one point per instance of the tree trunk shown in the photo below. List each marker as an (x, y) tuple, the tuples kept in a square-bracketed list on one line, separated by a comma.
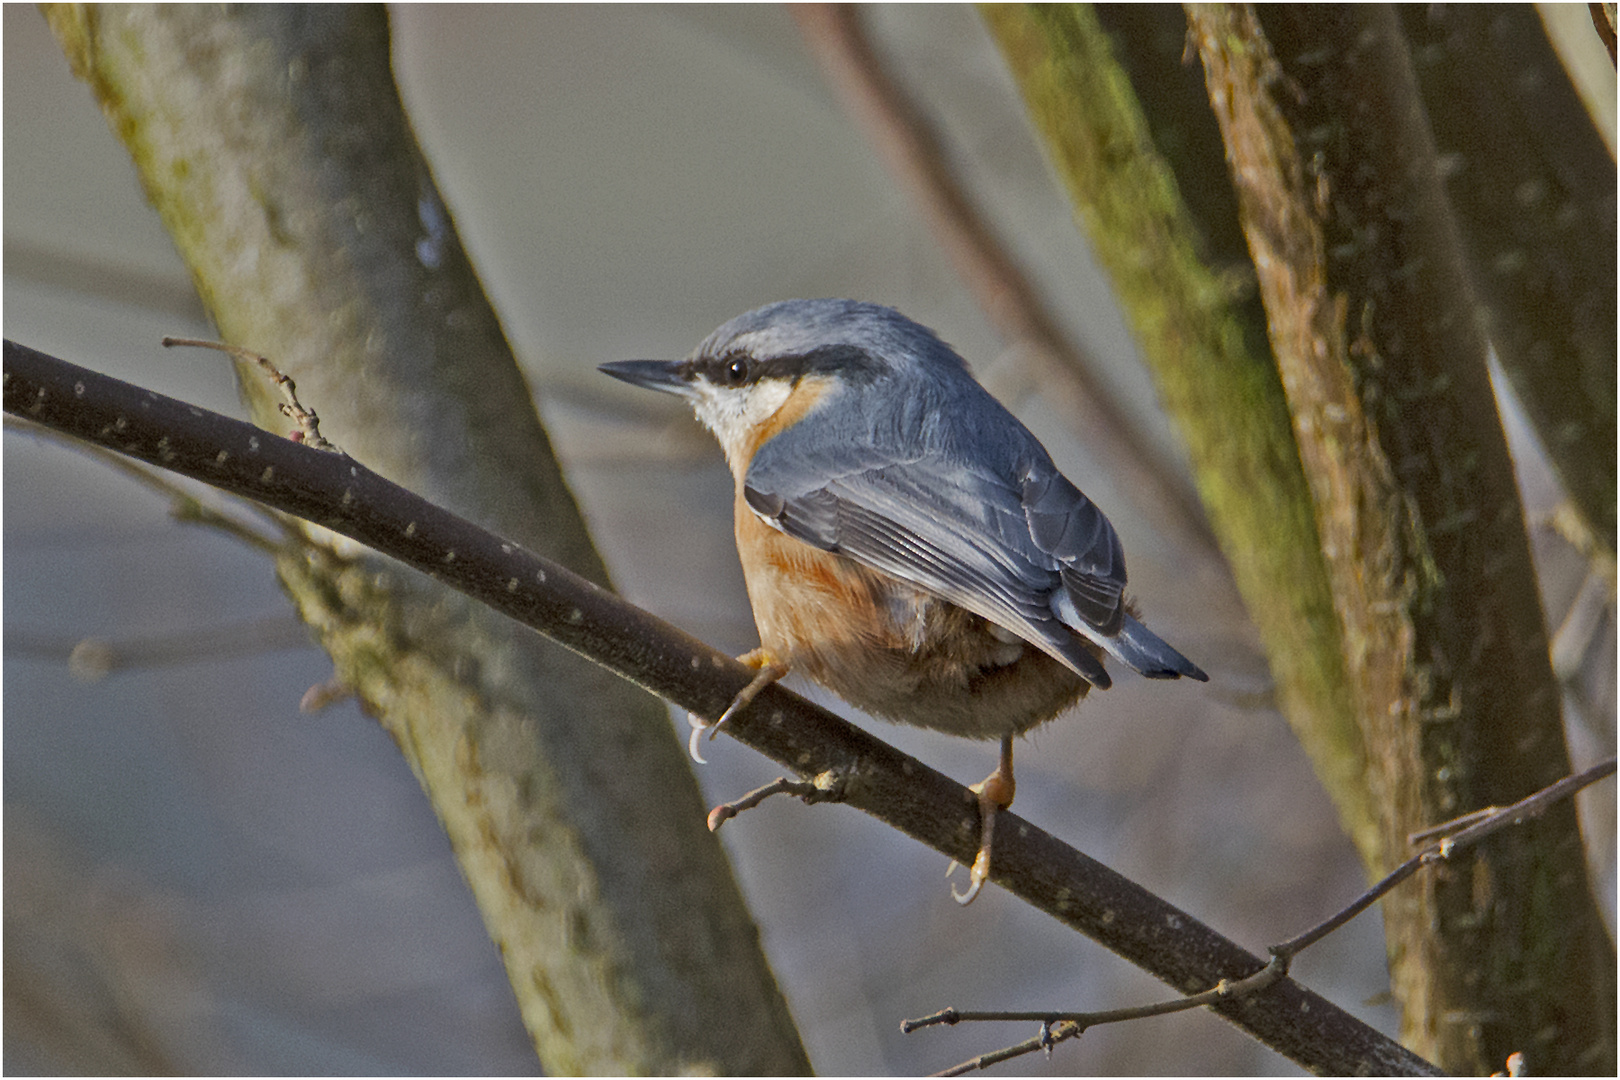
[(1391, 579), (1373, 325), (273, 143)]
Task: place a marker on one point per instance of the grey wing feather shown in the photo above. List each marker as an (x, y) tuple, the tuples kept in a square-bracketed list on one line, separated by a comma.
[(1010, 550), (1068, 526)]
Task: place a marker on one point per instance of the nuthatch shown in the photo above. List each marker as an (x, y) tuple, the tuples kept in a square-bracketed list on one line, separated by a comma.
[(906, 542)]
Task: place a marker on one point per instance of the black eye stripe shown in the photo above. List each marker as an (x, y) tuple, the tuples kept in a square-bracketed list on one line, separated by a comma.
[(741, 369), (732, 370)]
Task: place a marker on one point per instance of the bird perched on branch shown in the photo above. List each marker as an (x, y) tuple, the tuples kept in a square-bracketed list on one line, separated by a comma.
[(906, 542)]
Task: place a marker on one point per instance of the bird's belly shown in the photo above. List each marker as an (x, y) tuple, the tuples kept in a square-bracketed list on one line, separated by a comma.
[(890, 648)]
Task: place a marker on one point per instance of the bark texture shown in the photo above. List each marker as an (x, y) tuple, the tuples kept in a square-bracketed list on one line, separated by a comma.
[(273, 144), (1374, 326), (1200, 338)]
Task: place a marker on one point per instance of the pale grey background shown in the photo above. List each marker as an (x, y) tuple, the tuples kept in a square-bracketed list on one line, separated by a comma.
[(199, 878)]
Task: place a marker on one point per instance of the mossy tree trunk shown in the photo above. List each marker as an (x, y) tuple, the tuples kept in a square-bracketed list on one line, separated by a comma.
[(274, 146), (1400, 613)]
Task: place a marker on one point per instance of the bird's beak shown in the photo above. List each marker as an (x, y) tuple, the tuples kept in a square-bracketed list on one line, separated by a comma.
[(666, 375)]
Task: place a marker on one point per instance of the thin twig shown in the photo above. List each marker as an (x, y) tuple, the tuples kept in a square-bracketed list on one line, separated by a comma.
[(1261, 979), (811, 791), (324, 694), (1456, 835), (1470, 829), (1446, 828), (309, 425), (1058, 1026), (1049, 1037)]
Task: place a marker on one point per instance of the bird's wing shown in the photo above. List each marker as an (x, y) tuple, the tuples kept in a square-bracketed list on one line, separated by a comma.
[(1000, 535)]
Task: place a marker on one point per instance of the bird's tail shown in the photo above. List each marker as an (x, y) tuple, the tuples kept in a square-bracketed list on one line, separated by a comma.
[(1143, 651), (1135, 646)]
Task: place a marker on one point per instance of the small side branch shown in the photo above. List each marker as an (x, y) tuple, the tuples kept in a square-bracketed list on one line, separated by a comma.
[(309, 425), (828, 787), (1455, 835)]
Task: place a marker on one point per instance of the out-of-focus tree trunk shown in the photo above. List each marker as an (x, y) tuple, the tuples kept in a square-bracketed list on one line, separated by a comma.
[(1373, 320), (1400, 615), (273, 143), (1533, 187), (1214, 373)]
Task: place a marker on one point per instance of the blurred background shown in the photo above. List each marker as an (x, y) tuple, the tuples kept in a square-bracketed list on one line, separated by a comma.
[(199, 878)]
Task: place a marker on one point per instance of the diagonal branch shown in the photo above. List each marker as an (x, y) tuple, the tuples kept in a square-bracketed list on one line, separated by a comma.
[(336, 492), (1454, 836)]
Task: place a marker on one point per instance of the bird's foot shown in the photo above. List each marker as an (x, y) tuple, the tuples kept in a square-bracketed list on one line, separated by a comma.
[(768, 669), (995, 793)]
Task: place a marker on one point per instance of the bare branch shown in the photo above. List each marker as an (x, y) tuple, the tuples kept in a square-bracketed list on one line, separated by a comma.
[(1457, 835), (828, 787), (340, 494), (1460, 833)]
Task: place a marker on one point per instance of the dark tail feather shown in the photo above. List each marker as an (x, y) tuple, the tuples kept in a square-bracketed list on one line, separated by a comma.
[(1145, 652), (1073, 653)]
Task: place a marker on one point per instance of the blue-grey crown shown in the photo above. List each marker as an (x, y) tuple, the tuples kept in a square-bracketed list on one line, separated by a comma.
[(832, 328)]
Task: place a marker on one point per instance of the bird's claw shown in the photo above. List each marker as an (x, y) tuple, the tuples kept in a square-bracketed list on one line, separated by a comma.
[(731, 710), (768, 670), (699, 726), (994, 793), (978, 874)]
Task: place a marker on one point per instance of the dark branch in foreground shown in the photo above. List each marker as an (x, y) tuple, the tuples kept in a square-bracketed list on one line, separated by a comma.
[(340, 494)]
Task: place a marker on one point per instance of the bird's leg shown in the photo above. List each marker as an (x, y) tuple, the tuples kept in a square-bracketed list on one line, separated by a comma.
[(768, 670), (995, 794)]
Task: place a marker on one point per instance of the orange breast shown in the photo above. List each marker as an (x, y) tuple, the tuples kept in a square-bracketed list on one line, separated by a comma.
[(890, 648), (805, 599)]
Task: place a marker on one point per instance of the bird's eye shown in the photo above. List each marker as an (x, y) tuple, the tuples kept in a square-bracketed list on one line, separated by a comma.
[(735, 372)]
